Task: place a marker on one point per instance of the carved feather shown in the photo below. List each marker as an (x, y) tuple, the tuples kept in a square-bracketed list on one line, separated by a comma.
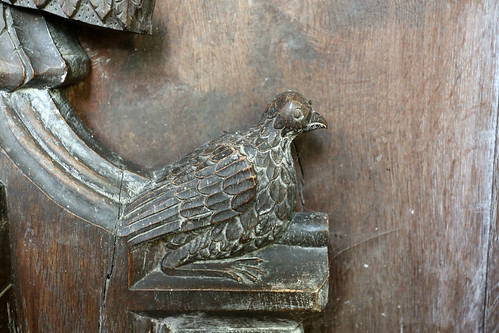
[(212, 188), (231, 196)]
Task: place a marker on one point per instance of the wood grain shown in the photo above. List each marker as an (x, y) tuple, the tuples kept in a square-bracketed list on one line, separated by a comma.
[(60, 263), (491, 315), (414, 156), (406, 169), (6, 304)]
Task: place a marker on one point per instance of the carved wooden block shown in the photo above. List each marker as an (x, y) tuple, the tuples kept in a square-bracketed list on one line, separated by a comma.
[(187, 323), (295, 278), (216, 231), (39, 132)]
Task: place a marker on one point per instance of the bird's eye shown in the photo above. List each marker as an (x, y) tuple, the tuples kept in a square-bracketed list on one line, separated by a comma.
[(297, 114)]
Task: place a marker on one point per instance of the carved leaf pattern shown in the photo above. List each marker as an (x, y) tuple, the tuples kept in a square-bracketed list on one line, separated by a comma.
[(126, 9), (69, 7), (133, 7), (120, 10), (2, 20), (127, 15), (102, 7), (41, 3)]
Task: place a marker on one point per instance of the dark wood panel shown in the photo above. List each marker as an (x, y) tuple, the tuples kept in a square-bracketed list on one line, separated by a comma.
[(411, 155), (404, 171), (60, 263), (6, 304)]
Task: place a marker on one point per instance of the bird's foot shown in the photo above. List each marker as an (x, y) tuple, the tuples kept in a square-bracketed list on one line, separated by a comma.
[(243, 270)]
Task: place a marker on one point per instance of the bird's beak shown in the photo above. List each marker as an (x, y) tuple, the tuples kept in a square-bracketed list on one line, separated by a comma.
[(315, 121)]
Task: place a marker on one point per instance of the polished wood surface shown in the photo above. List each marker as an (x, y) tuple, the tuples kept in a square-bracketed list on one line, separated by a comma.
[(60, 261), (405, 170)]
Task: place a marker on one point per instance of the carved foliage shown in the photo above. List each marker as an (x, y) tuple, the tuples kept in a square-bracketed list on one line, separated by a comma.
[(128, 15), (69, 7), (126, 9), (41, 3), (102, 7)]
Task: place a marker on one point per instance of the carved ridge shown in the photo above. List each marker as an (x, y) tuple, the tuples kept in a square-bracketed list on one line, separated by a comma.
[(36, 137)]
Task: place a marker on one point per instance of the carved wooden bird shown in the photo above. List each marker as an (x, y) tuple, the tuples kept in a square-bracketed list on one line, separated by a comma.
[(233, 195)]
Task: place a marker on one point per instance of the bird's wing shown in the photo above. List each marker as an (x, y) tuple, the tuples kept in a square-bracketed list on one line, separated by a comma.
[(213, 186)]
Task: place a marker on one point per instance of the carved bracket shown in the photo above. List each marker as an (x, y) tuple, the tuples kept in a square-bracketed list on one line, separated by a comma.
[(215, 231)]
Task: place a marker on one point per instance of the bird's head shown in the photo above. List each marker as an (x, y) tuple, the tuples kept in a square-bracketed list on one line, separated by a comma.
[(292, 114)]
